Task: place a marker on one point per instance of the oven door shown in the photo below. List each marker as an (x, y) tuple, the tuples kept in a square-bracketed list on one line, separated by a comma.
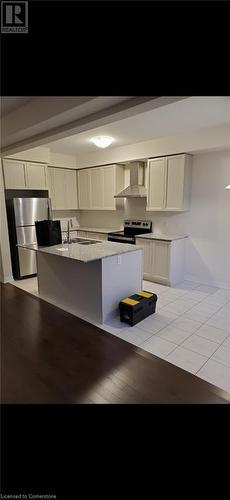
[(121, 239)]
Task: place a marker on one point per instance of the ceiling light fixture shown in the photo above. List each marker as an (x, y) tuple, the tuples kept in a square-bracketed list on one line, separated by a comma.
[(102, 141), (228, 187)]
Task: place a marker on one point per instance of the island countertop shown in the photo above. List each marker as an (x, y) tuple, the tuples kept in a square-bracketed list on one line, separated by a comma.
[(162, 236), (85, 253)]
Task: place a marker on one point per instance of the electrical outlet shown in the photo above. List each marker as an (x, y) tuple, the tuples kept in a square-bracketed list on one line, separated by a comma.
[(119, 259)]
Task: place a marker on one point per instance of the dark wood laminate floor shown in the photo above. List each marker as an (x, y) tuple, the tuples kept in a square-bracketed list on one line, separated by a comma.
[(50, 356)]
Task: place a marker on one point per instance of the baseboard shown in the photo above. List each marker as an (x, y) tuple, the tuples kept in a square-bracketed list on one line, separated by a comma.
[(218, 284), (7, 279), (156, 279)]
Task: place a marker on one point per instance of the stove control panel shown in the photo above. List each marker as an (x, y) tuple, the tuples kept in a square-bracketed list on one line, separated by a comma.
[(138, 224)]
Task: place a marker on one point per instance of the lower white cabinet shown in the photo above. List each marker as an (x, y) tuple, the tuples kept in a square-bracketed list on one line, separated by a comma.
[(82, 234), (163, 261), (92, 235), (148, 250), (62, 185), (97, 236)]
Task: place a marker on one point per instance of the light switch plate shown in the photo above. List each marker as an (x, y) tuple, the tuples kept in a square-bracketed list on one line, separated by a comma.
[(119, 259)]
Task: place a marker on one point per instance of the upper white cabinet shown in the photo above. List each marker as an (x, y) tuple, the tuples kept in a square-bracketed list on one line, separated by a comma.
[(98, 185), (36, 176), (156, 184), (113, 178), (84, 188), (71, 193), (169, 183), (62, 184), (97, 188), (14, 174), (24, 175)]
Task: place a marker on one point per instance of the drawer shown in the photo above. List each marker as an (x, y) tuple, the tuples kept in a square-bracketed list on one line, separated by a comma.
[(82, 234), (96, 236)]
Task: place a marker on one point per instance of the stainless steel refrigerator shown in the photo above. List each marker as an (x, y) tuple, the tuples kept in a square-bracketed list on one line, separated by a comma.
[(26, 212)]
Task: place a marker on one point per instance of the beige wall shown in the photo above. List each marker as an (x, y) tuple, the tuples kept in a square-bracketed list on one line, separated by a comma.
[(62, 160), (44, 155), (36, 154)]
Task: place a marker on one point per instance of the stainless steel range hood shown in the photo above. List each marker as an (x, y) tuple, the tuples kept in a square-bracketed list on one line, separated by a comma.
[(137, 188)]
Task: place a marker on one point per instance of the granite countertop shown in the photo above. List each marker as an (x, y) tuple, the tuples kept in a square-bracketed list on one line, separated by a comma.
[(85, 253), (164, 237), (104, 230)]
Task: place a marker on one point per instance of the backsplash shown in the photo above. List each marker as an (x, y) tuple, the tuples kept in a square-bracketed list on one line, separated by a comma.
[(136, 209), (65, 215), (102, 218), (175, 223)]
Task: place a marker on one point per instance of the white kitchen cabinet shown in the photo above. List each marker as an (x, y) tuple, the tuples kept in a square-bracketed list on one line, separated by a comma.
[(179, 176), (96, 236), (114, 179), (24, 175), (163, 261), (91, 235), (114, 182), (36, 176), (110, 177), (84, 189), (156, 184), (96, 188), (71, 192), (56, 184), (169, 183), (148, 255), (98, 185), (82, 234), (62, 184), (14, 174)]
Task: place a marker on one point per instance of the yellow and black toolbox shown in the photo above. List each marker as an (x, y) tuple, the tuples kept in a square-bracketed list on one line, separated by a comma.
[(137, 307)]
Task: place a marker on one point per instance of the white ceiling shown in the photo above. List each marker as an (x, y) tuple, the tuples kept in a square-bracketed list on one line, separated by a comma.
[(33, 121), (172, 119)]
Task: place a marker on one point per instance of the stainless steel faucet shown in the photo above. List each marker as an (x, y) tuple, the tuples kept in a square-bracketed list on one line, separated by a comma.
[(67, 237)]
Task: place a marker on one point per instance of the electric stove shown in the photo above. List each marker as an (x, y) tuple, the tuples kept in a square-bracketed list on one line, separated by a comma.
[(132, 228)]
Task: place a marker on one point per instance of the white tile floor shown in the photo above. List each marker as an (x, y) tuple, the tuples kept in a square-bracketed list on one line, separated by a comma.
[(29, 285), (191, 328)]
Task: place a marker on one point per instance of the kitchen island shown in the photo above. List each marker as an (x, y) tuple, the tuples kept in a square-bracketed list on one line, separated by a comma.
[(88, 280)]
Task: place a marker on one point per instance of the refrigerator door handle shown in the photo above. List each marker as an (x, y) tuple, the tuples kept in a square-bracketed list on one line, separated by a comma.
[(50, 212)]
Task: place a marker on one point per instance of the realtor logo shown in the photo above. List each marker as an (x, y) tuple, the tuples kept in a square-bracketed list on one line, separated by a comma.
[(14, 17)]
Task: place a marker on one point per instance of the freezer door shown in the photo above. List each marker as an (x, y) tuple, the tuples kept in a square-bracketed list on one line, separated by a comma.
[(27, 258), (28, 210)]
